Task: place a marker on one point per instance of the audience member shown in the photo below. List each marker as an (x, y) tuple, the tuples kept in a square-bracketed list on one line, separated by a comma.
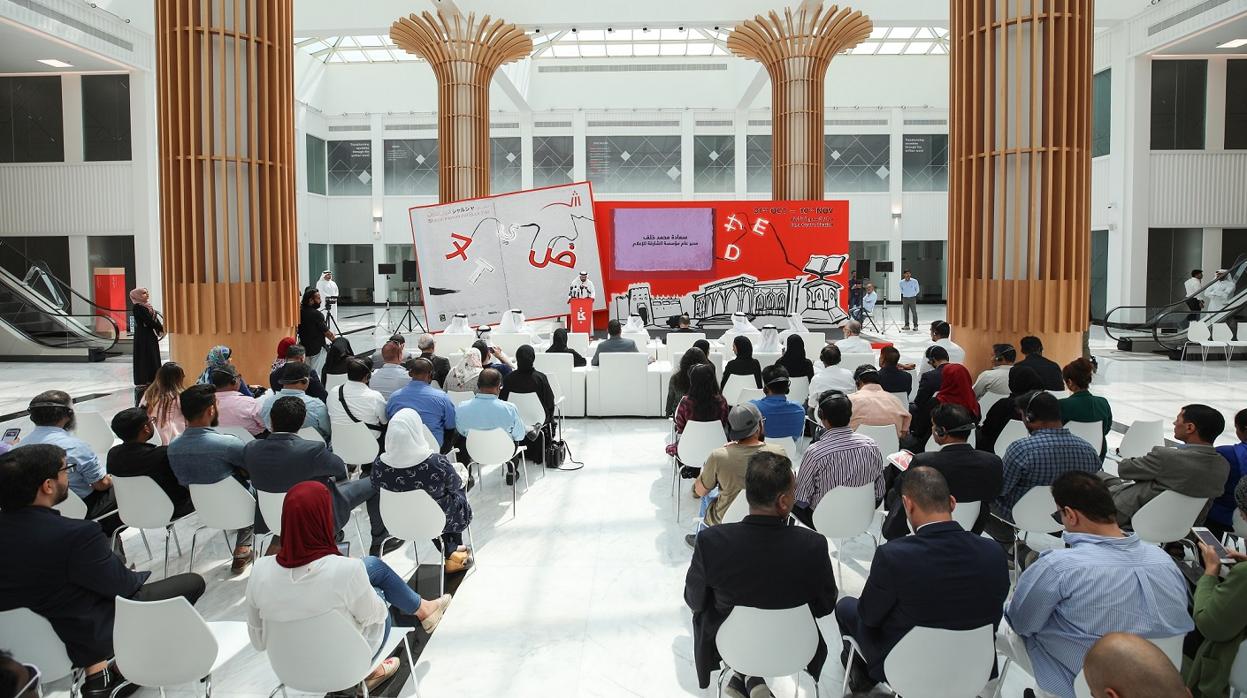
[(1022, 381), (796, 325), (873, 406), (295, 379), (678, 384), (435, 408), (794, 360), (161, 401), (952, 385), (313, 332), (282, 347), (682, 323), (723, 475), (892, 377), (136, 457), (769, 342), (853, 342), (485, 411), (391, 376), (310, 577), (784, 418), (337, 354), (204, 456), (558, 345), (63, 568), (940, 333), (355, 401), (940, 577), (1221, 516), (703, 403), (219, 357), (378, 354), (831, 376), (614, 343), (527, 379), (410, 463), (296, 354), (283, 460), (935, 358), (704, 345), (233, 408), (740, 326), (1121, 665), (1105, 581), (441, 365), (1081, 405), (996, 378), (463, 377), (1220, 625), (840, 458), (19, 680), (760, 562), (971, 475), (1049, 371), (743, 363), (1194, 469), (52, 411), (494, 357)]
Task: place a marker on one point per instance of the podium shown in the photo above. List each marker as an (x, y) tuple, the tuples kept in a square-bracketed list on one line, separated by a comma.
[(581, 315)]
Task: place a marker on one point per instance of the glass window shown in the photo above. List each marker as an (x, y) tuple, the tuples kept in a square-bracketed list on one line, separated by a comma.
[(554, 160), (925, 162), (315, 165), (1178, 104), (634, 164), (925, 259), (105, 117), (855, 163), (317, 261), (112, 251), (1099, 274), (758, 164), (411, 167), (505, 165), (1101, 112), (1236, 105), (1171, 255), (714, 163), (354, 271), (350, 168), (397, 290), (31, 128)]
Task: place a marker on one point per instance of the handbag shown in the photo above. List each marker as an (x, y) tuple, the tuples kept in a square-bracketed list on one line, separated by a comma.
[(555, 453)]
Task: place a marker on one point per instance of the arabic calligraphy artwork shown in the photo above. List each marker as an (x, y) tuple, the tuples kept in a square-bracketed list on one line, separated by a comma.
[(518, 250)]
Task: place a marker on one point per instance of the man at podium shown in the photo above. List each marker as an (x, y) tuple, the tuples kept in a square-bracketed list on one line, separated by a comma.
[(582, 287), (580, 297)]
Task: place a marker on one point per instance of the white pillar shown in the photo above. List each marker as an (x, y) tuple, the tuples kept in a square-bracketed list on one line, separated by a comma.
[(71, 116), (896, 236), (741, 148), (526, 149), (687, 128), (80, 274), (146, 191), (579, 126), (377, 231), (1214, 119)]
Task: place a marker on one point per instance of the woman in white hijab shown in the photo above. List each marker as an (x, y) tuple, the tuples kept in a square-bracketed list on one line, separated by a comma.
[(462, 378), (635, 325), (769, 344), (740, 326), (795, 326), (409, 463), (458, 325)]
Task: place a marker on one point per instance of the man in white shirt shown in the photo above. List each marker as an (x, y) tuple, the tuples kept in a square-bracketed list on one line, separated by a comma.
[(831, 376), (869, 299), (354, 401), (1189, 290), (391, 376), (853, 342), (940, 332), (328, 290), (1219, 292), (909, 298), (996, 378), (582, 287)]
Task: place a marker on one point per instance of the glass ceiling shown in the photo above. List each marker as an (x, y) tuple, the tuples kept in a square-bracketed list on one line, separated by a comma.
[(626, 43)]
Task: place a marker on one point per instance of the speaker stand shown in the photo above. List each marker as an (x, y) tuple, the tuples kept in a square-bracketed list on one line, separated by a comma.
[(409, 315)]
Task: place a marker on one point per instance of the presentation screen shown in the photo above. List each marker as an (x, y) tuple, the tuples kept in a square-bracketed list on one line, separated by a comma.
[(664, 239)]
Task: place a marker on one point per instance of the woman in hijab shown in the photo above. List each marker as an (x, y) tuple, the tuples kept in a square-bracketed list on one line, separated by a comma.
[(677, 386), (769, 344), (493, 357), (558, 345), (704, 345), (956, 388), (161, 400), (462, 378), (310, 577), (148, 329), (527, 379), (1022, 380), (744, 364), (794, 359), (282, 346), (339, 353), (218, 357), (409, 463)]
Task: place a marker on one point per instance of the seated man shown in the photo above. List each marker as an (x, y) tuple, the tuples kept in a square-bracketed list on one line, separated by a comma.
[(391, 374), (784, 418), (441, 365), (1194, 469), (940, 577), (486, 411), (996, 378), (283, 460), (204, 456), (892, 378), (830, 377), (873, 406), (233, 408), (1105, 581), (940, 333), (295, 379), (614, 343), (971, 475), (135, 457), (723, 475), (840, 458), (355, 401), (760, 562), (63, 568), (297, 354), (1049, 371), (378, 356), (853, 342), (52, 412), (1121, 665), (433, 405)]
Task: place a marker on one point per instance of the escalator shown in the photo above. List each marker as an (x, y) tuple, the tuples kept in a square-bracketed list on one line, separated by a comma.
[(37, 322), (1163, 329)]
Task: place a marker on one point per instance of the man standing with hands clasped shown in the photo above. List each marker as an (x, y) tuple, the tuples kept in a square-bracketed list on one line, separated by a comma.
[(909, 299), (582, 287)]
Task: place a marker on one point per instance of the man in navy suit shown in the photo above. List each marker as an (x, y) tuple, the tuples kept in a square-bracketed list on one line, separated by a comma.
[(940, 577), (760, 562)]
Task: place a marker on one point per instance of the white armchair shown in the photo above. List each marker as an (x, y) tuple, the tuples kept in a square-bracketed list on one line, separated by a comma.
[(571, 380), (622, 385)]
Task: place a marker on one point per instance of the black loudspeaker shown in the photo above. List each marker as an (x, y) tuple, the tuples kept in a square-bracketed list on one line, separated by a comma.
[(883, 266), (863, 268), (410, 275), (387, 269)]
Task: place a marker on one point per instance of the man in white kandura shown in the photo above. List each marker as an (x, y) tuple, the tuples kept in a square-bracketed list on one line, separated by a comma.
[(328, 290), (582, 287), (459, 325)]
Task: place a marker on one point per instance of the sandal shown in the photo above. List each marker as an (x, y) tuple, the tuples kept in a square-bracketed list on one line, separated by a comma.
[(388, 668)]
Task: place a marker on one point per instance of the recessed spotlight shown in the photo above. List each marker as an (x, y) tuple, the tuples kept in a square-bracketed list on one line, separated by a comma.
[(55, 63), (1236, 43), (644, 29), (681, 28), (573, 30), (610, 30)]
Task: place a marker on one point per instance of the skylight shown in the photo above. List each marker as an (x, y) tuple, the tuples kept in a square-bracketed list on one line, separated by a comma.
[(353, 49), (904, 41), (631, 43)]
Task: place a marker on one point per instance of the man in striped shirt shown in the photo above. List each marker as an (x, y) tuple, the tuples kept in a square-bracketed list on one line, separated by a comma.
[(840, 458)]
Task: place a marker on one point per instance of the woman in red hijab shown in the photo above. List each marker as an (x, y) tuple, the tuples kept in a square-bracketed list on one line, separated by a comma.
[(310, 576), (957, 388)]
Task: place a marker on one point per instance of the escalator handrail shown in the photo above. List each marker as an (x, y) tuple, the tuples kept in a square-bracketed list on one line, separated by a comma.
[(1236, 271), (112, 341), (31, 301), (59, 282)]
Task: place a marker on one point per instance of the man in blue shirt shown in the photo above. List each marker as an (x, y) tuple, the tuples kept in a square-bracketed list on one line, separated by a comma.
[(434, 406), (485, 411), (295, 379), (1105, 581), (784, 418), (909, 299), (53, 414), (1221, 515)]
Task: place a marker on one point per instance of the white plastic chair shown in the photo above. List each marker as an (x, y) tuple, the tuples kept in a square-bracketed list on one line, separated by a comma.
[(530, 408), (622, 385), (31, 639), (845, 513), (1238, 673), (988, 400), (325, 653), (414, 516), (789, 445), (1014, 430), (696, 442), (310, 434), (884, 437), (494, 447), (580, 342), (1167, 517), (814, 343), (1221, 332), (1171, 646), (937, 663), (73, 507), (355, 443), (458, 396), (1142, 436), (223, 506), (799, 389), (510, 342), (1198, 333), (852, 361), (902, 398), (237, 432), (167, 643), (758, 642), (1032, 514), (737, 510), (734, 385), (333, 380), (966, 513), (271, 504), (92, 428), (680, 342), (1091, 432), (749, 395), (142, 504)]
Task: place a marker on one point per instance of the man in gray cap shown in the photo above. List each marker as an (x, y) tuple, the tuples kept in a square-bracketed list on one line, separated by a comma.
[(723, 475)]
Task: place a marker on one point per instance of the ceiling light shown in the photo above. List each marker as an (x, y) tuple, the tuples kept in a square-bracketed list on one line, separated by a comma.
[(55, 63), (1236, 43)]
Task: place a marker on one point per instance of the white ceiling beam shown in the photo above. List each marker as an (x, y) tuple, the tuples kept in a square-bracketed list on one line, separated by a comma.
[(760, 79), (518, 94)]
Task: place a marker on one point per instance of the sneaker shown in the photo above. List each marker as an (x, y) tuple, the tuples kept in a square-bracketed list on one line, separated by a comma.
[(757, 688), (389, 546), (736, 687), (691, 539), (107, 684), (430, 623)]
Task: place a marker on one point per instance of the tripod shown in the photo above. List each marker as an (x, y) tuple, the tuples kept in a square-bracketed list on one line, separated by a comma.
[(883, 312), (332, 322), (409, 315)]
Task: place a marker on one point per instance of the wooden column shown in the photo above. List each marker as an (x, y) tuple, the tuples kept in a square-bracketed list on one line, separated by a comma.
[(1020, 175), (464, 55), (796, 51), (225, 110)]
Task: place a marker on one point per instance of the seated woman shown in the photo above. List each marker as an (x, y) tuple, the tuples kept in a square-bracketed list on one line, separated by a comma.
[(704, 403), (744, 364), (339, 352), (1081, 405), (677, 385), (310, 576), (956, 388), (527, 379), (1220, 621), (284, 344), (411, 463), (558, 345), (218, 357), (161, 400), (462, 378), (794, 360), (1022, 380)]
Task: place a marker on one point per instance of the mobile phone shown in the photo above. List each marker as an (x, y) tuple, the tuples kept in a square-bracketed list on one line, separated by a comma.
[(10, 435), (1209, 539)]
